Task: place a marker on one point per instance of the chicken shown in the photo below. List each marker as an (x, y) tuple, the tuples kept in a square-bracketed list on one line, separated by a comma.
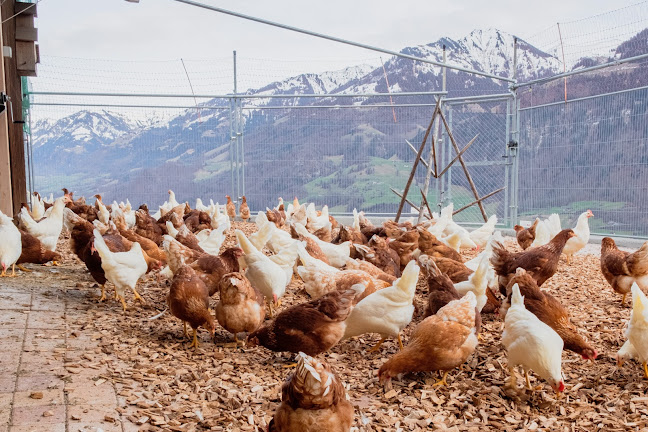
[(319, 225), (188, 238), (263, 273), (541, 262), (146, 226), (336, 254), (34, 252), (241, 306), (148, 245), (230, 208), (428, 244), (637, 330), (477, 283), (442, 342), (440, 288), (622, 269), (351, 234), (542, 235), (526, 236), (405, 245), (481, 235), (188, 300), (549, 310), (582, 232), (312, 327), (197, 220), (276, 216), (387, 311), (47, 230), (532, 344), (213, 241), (374, 271), (378, 253), (286, 259), (244, 210), (626, 352), (553, 225), (260, 238), (312, 400), (178, 254), (10, 245), (456, 271), (122, 269), (211, 269)]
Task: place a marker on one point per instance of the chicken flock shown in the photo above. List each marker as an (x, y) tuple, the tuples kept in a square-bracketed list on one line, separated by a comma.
[(361, 279)]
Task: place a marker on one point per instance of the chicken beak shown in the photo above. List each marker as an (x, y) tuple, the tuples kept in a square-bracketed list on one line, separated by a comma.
[(92, 248)]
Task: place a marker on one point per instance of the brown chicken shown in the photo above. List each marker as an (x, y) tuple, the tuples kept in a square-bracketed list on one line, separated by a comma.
[(277, 217), (241, 306), (540, 262), (374, 271), (244, 210), (230, 208), (440, 342), (378, 253), (312, 247), (525, 236), (211, 269), (312, 327), (188, 300), (456, 271), (148, 245), (351, 234), (147, 226), (622, 269), (405, 245), (197, 220), (33, 252), (312, 400), (549, 310), (189, 239), (428, 244), (173, 217)]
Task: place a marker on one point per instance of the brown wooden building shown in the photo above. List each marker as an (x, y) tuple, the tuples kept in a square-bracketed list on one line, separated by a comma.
[(20, 54)]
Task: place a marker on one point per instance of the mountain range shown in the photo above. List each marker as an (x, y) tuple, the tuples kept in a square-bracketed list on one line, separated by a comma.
[(332, 154)]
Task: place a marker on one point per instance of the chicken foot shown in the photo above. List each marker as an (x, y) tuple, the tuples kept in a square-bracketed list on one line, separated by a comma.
[(623, 299), (185, 329), (138, 297), (377, 346), (23, 268), (645, 367), (123, 302), (513, 379), (194, 343), (442, 381), (400, 342), (103, 293), (4, 271)]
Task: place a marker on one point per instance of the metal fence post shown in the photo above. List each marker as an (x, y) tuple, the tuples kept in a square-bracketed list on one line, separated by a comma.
[(507, 167)]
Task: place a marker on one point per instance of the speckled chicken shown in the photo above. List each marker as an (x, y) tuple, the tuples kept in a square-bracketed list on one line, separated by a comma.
[(312, 400)]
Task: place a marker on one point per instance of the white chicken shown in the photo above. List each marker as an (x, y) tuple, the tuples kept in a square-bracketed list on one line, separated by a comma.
[(387, 311), (171, 230), (552, 223), (286, 260), (626, 352), (104, 214), (477, 283), (637, 331), (47, 230), (493, 279), (10, 245), (200, 206), (122, 269), (172, 199), (213, 241), (532, 344), (481, 235), (218, 218), (453, 241), (263, 273), (542, 235), (336, 254), (582, 232), (263, 235), (37, 206)]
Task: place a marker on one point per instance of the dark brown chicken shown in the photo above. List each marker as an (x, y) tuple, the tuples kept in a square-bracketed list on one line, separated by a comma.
[(189, 239), (241, 306), (378, 253), (148, 245), (312, 327), (212, 268), (312, 400), (197, 220), (525, 236), (549, 310), (276, 216), (622, 269), (428, 244), (147, 226), (456, 271), (188, 300), (405, 245), (33, 252), (540, 262), (351, 234)]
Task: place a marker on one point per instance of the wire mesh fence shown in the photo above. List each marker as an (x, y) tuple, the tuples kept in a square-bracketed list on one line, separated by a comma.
[(589, 153)]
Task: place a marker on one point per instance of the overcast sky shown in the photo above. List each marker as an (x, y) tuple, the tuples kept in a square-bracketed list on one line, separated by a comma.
[(166, 29)]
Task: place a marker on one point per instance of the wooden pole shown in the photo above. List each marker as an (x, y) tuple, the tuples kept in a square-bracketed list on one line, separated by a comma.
[(459, 155), (465, 168), (425, 201), (478, 201), (416, 161), (425, 164), (408, 201), (6, 197)]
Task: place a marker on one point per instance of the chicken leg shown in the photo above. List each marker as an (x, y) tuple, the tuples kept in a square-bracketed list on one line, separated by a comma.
[(103, 293), (623, 299), (123, 302), (138, 297), (185, 329), (645, 366), (442, 381), (513, 379), (13, 270), (528, 381), (25, 269), (4, 271), (194, 343), (400, 342), (377, 346)]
